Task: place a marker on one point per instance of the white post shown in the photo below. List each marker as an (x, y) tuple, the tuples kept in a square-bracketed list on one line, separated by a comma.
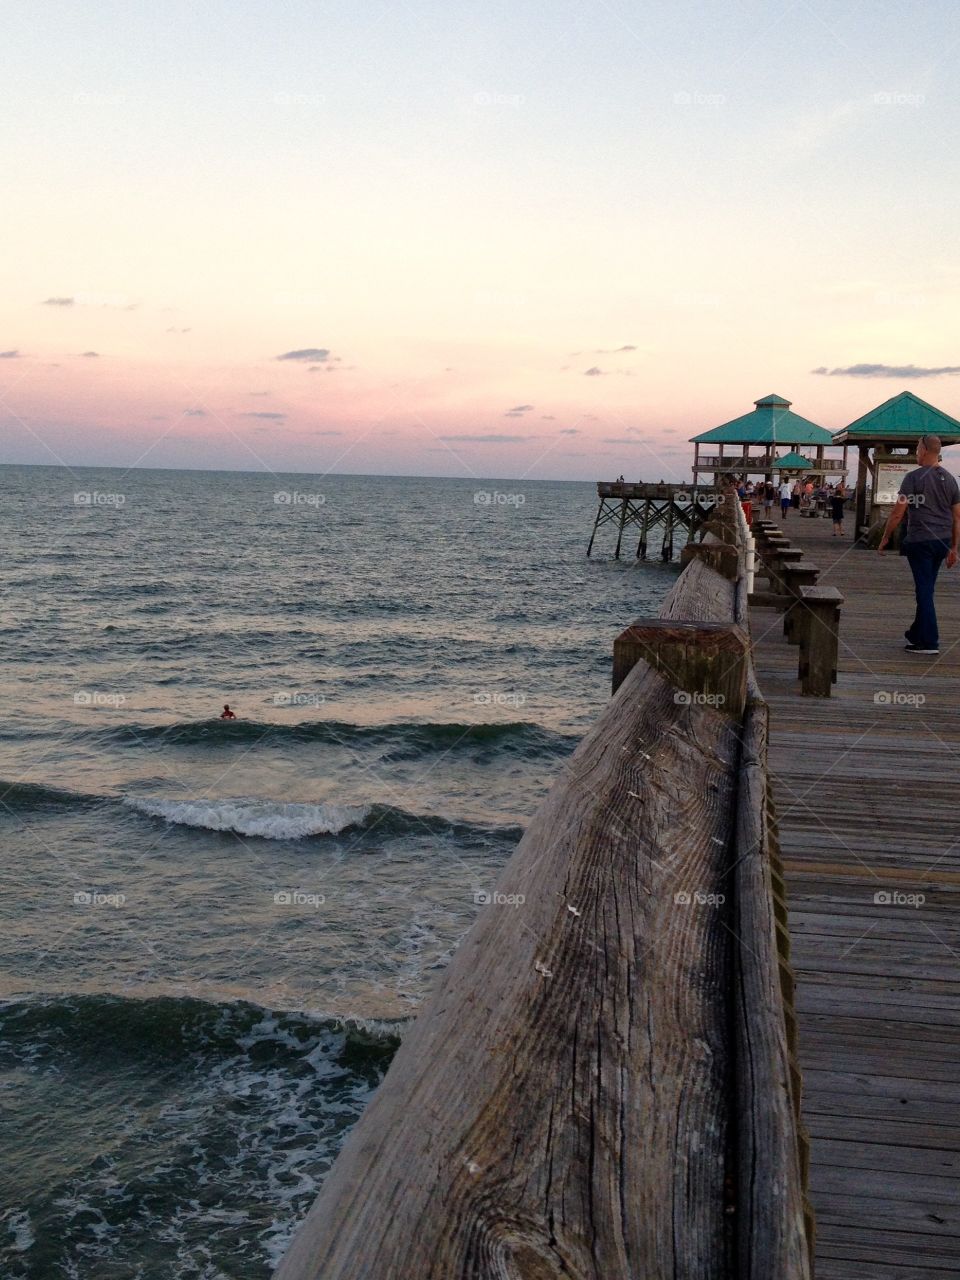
[(751, 561), (749, 545)]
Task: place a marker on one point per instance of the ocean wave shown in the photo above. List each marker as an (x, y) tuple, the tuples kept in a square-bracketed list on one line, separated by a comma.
[(264, 818), (213, 1126), (26, 796), (275, 820), (175, 1025), (397, 741)]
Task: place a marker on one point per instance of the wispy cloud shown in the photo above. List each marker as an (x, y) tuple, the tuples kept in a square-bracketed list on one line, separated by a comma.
[(605, 351), (888, 371), (271, 417), (316, 355), (58, 302), (90, 355), (491, 437), (593, 372), (194, 413), (518, 410), (10, 355)]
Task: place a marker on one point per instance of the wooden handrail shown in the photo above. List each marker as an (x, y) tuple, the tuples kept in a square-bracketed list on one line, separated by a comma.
[(598, 1086)]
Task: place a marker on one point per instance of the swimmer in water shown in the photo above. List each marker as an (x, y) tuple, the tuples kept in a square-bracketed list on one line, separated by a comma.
[(226, 713)]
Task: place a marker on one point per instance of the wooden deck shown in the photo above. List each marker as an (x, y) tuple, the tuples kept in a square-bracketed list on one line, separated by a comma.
[(865, 789)]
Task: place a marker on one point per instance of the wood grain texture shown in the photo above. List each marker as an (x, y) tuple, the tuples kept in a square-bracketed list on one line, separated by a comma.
[(560, 1106)]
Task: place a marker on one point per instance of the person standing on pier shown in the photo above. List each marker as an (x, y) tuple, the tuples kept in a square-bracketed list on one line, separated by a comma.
[(745, 494), (786, 498), (929, 498), (837, 500)]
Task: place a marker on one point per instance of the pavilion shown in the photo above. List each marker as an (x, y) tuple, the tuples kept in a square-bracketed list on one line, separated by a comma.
[(770, 425), (891, 431), (789, 464)]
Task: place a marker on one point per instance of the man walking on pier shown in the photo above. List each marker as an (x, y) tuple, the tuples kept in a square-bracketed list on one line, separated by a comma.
[(929, 498)]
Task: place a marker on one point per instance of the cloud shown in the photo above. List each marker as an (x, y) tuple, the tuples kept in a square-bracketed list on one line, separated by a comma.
[(178, 331), (604, 351), (327, 433), (120, 300), (593, 372), (490, 438), (570, 431), (547, 417), (315, 354), (520, 408), (621, 440), (887, 371), (194, 413), (90, 354), (10, 355), (272, 417), (259, 393)]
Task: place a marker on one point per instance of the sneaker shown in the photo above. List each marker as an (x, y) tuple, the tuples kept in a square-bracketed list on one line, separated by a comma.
[(912, 648)]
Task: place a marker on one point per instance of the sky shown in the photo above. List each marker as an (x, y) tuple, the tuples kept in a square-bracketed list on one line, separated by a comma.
[(426, 237)]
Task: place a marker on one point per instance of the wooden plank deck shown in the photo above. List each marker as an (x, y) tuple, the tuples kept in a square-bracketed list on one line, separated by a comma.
[(865, 789)]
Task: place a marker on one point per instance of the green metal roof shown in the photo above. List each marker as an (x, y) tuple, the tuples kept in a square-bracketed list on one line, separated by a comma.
[(771, 422), (792, 462), (904, 417)]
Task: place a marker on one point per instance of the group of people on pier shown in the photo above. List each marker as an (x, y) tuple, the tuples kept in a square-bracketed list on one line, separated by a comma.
[(926, 515), (804, 496)]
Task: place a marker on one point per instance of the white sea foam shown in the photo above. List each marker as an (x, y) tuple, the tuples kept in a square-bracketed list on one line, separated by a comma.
[(18, 1225), (265, 818)]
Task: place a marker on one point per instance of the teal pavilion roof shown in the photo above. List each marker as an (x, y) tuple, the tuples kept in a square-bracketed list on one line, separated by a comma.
[(904, 417), (771, 422)]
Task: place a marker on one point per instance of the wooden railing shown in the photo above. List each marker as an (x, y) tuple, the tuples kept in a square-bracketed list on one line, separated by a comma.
[(645, 489), (602, 1083), (757, 462)]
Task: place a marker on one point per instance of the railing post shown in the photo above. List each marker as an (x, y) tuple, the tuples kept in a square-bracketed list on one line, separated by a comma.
[(707, 661)]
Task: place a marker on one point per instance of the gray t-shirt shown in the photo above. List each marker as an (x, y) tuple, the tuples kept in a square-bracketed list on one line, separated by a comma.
[(931, 493)]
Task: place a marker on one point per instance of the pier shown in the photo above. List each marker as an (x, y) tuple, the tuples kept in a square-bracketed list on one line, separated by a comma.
[(864, 788), (677, 510), (719, 1037)]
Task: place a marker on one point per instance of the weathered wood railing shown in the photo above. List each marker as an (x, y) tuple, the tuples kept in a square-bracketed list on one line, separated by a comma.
[(811, 612), (602, 1084)]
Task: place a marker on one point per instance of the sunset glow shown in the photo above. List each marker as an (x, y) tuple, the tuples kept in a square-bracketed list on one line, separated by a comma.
[(553, 241)]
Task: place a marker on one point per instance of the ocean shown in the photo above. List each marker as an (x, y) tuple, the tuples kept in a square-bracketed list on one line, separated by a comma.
[(215, 931)]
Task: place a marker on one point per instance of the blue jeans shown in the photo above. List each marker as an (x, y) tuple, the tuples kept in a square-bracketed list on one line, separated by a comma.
[(925, 559)]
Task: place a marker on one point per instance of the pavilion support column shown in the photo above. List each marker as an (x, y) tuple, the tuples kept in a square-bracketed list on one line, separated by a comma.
[(863, 467)]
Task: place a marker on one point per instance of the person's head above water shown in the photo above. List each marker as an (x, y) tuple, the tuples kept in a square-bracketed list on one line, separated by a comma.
[(226, 713)]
